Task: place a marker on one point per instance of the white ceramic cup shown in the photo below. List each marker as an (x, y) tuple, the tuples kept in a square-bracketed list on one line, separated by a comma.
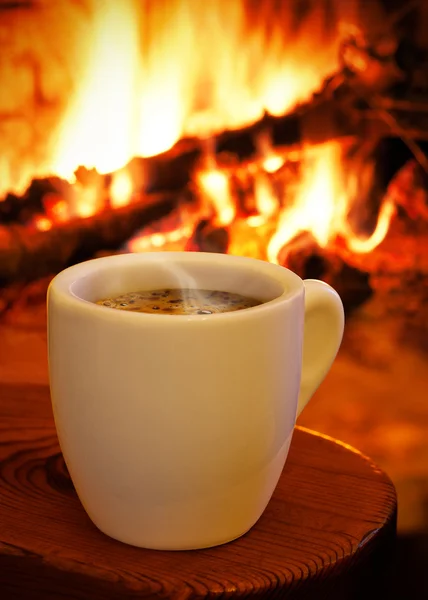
[(175, 429)]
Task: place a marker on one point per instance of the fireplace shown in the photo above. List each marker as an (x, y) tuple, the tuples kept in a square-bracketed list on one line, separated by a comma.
[(291, 131)]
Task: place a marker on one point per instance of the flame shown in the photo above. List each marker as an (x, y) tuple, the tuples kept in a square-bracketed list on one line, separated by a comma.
[(121, 188), (42, 223), (175, 240), (96, 82), (363, 246), (266, 203), (88, 199), (129, 79), (56, 208), (172, 232), (320, 201), (317, 210), (215, 189), (322, 205), (97, 131), (273, 163)]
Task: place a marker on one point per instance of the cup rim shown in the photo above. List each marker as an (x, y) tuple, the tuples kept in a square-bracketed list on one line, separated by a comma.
[(61, 286)]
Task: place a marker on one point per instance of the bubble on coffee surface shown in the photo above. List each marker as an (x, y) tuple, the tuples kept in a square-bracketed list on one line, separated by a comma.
[(180, 302), (109, 303)]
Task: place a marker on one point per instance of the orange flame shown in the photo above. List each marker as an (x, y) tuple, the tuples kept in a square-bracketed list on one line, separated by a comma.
[(108, 80), (135, 77), (215, 189), (363, 246), (121, 189), (319, 207), (175, 240), (323, 202), (42, 223), (320, 201), (266, 202)]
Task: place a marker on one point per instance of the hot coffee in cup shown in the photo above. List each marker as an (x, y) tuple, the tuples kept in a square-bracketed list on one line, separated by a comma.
[(175, 430), (180, 302)]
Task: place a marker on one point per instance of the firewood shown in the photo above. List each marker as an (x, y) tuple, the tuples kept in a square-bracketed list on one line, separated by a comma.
[(172, 170), (404, 249), (310, 261), (26, 255), (208, 238)]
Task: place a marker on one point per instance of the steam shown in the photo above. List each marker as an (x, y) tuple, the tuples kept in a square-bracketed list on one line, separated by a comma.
[(166, 284), (176, 274)]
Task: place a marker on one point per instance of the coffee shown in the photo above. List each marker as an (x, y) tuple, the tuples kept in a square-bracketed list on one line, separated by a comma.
[(180, 302)]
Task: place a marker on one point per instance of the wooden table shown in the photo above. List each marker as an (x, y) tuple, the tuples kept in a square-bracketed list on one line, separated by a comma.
[(328, 531)]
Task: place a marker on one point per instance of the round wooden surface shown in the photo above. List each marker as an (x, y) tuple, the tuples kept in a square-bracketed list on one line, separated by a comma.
[(327, 532)]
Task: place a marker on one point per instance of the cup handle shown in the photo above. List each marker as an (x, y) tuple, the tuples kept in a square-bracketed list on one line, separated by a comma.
[(323, 332)]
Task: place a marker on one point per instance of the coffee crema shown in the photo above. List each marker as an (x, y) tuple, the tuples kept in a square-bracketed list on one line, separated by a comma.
[(180, 302)]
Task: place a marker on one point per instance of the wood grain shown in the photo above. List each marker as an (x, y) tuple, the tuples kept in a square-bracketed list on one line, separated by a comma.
[(328, 531)]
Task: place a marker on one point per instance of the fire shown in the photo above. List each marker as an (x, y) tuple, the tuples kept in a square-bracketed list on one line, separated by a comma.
[(266, 203), (320, 205), (121, 189), (215, 189), (363, 246), (323, 203), (110, 80), (174, 239), (138, 76), (43, 223), (97, 129), (172, 233), (316, 209)]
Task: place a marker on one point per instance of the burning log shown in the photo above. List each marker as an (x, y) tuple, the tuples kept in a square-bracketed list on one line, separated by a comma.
[(168, 172), (404, 248), (310, 261), (26, 255), (172, 171), (208, 238)]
